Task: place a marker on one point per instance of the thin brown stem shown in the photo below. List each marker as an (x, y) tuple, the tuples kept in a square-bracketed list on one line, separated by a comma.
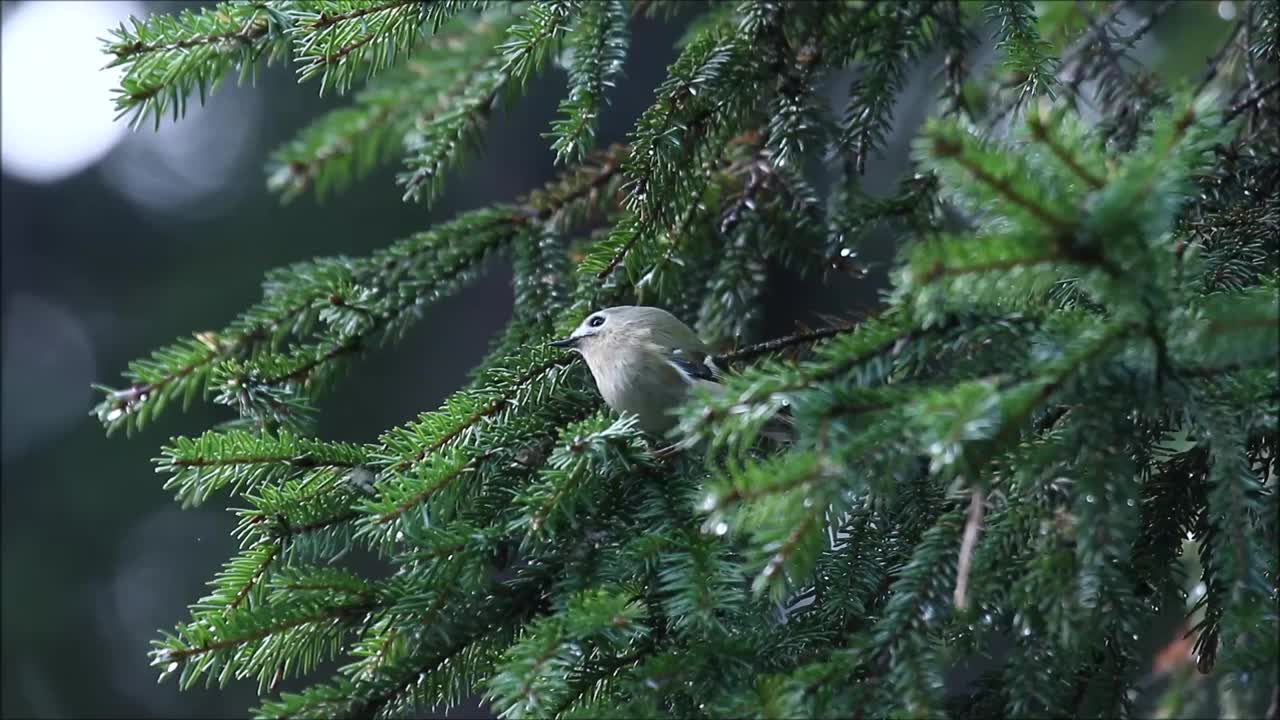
[(250, 33), (945, 147), (258, 573), (342, 611), (325, 21), (427, 492), (770, 346), (1250, 101), (977, 505), (291, 460), (1041, 134)]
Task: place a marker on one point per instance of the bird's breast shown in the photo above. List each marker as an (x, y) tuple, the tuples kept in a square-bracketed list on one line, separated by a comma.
[(639, 384)]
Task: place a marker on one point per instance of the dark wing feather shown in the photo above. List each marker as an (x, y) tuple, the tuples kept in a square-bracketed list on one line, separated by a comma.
[(691, 369)]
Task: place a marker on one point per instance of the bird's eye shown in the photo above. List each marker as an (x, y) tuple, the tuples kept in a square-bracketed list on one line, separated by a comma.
[(596, 321)]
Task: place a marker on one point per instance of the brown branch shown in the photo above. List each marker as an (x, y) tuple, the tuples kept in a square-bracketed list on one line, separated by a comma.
[(788, 547), (344, 611), (939, 270), (780, 343), (977, 504), (301, 462), (843, 367), (736, 495), (1041, 133), (325, 21), (947, 148), (1215, 60), (247, 35), (253, 579), (428, 491), (555, 204), (288, 532), (487, 411), (605, 669), (618, 256), (1248, 102)]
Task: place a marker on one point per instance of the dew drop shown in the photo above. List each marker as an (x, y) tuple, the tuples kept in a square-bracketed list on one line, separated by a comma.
[(722, 528)]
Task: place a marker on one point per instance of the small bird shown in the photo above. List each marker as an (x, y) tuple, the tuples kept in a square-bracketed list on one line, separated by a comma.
[(644, 361)]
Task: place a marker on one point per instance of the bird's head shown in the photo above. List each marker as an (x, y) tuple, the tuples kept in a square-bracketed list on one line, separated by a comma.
[(616, 327)]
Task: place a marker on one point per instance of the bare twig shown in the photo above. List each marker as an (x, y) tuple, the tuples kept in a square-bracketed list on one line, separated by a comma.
[(1250, 101), (977, 505)]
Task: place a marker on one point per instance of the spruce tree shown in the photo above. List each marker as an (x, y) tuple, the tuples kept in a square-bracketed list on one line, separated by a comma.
[(1051, 449)]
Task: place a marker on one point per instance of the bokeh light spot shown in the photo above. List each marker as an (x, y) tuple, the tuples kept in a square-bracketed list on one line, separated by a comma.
[(56, 114)]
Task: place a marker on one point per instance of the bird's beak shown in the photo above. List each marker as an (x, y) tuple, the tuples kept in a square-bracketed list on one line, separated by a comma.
[(566, 343)]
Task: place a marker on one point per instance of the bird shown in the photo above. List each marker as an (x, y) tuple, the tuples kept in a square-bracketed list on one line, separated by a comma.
[(645, 361)]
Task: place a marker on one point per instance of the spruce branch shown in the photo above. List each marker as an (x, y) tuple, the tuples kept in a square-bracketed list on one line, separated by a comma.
[(463, 113), (344, 291), (894, 35), (1026, 53), (1251, 102), (339, 39), (1067, 384), (946, 147), (347, 143), (598, 41), (1041, 133), (167, 57), (201, 466)]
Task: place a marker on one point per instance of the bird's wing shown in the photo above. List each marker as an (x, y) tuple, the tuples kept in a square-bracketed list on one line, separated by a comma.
[(692, 366), (696, 368)]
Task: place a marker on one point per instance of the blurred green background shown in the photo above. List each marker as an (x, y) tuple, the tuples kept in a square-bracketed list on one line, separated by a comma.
[(116, 242)]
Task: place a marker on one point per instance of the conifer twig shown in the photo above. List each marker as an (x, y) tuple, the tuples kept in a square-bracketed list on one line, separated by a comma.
[(1250, 101), (973, 523), (769, 346), (1041, 134)]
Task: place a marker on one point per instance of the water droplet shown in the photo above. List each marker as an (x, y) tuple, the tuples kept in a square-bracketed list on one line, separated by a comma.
[(722, 528), (1090, 499), (709, 503)]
